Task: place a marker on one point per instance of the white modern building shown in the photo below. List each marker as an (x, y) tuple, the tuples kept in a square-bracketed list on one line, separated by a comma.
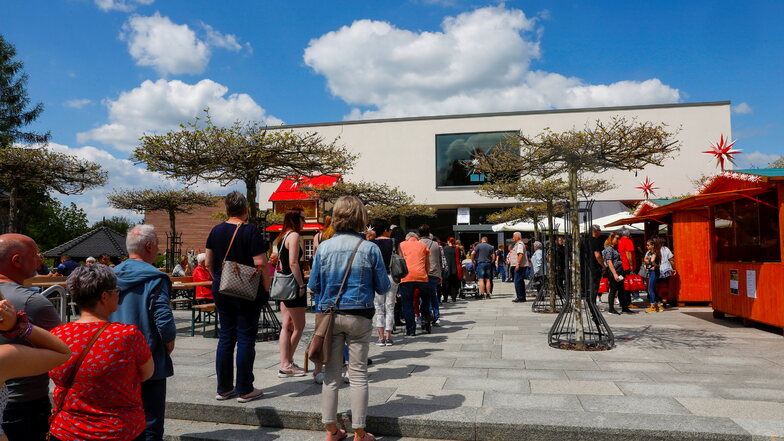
[(423, 155)]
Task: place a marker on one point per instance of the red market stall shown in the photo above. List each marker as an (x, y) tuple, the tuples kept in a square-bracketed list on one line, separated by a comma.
[(727, 240)]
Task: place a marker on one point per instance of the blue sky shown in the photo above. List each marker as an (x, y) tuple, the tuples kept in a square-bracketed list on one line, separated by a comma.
[(110, 70)]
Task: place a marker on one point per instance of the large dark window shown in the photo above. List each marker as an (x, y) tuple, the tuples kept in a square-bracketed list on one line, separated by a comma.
[(455, 152), (747, 230)]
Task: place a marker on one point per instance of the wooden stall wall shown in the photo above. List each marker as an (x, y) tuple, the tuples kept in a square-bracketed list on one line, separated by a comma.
[(767, 307), (693, 251)]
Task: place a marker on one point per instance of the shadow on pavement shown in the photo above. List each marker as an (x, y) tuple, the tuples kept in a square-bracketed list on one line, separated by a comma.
[(651, 337)]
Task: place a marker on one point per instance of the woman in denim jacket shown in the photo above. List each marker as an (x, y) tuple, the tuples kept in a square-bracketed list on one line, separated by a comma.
[(353, 325)]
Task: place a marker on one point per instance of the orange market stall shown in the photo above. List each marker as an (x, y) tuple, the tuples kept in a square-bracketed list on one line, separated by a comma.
[(727, 240)]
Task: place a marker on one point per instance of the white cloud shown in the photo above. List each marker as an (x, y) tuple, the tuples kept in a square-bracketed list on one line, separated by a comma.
[(120, 5), (168, 47), (479, 62), (230, 42), (123, 175), (78, 103), (755, 159), (171, 48), (742, 109), (159, 106)]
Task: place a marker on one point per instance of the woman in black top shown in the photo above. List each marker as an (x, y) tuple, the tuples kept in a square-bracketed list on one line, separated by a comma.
[(238, 318), (293, 311)]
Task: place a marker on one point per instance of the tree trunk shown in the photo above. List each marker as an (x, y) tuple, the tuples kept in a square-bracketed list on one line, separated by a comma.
[(576, 292), (12, 210), (170, 258), (250, 190), (536, 231), (551, 275)]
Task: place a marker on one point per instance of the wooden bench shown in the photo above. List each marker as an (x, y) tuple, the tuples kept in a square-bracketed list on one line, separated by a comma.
[(207, 313)]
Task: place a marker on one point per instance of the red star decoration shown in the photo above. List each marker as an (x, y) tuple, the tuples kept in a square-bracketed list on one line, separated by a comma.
[(723, 151), (647, 188)]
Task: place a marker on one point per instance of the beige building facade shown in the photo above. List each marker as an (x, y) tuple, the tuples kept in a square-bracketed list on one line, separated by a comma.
[(415, 153)]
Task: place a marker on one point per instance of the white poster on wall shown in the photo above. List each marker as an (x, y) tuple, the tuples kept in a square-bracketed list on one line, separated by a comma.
[(463, 215), (751, 284)]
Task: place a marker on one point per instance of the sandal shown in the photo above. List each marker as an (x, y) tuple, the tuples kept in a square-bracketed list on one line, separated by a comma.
[(255, 395), (337, 436), (366, 437), (291, 371), (228, 395)]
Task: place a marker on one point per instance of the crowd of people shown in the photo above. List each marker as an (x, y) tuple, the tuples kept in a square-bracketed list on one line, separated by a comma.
[(110, 367)]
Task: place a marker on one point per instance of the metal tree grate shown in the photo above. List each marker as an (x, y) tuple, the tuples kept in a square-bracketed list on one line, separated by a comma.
[(269, 325), (580, 326), (173, 250), (542, 304)]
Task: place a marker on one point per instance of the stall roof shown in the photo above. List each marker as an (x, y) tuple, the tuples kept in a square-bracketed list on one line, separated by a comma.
[(307, 227), (773, 174), (725, 186), (289, 189), (698, 200)]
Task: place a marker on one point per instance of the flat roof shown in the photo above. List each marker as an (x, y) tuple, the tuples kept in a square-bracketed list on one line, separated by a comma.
[(517, 113), (767, 172)]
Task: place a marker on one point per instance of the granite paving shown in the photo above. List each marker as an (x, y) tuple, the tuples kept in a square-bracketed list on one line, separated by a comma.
[(488, 372)]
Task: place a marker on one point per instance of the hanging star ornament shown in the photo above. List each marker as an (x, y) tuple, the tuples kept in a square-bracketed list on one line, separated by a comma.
[(647, 188), (723, 151)]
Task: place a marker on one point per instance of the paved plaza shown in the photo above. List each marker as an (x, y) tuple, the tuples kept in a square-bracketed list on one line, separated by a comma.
[(488, 374)]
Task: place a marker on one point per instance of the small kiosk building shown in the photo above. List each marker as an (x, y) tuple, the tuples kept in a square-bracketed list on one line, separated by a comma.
[(727, 240)]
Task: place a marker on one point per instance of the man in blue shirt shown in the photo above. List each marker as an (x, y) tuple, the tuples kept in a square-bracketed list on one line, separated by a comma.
[(144, 302), (484, 255), (66, 266)]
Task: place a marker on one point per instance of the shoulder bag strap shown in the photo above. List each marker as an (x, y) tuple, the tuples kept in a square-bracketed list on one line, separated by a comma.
[(348, 270), (281, 245), (72, 375), (232, 241)]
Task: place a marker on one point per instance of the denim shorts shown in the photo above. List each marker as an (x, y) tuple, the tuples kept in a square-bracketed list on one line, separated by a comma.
[(484, 270)]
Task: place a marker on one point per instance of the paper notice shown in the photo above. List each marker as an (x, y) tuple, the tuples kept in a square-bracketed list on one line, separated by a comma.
[(734, 278), (751, 284)]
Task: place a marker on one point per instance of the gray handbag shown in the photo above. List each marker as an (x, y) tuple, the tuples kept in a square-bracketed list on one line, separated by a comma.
[(284, 286), (238, 280)]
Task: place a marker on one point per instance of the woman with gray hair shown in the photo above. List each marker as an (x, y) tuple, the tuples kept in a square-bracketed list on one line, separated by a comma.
[(347, 273), (103, 400), (537, 266), (238, 318)]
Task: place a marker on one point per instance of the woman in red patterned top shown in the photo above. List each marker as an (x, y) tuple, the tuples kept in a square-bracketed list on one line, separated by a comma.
[(104, 401)]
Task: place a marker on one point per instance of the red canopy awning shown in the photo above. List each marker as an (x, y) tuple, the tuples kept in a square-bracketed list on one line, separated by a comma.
[(277, 228), (289, 189)]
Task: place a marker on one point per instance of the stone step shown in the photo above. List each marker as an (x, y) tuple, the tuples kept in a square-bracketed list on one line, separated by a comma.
[(457, 423), (183, 430)]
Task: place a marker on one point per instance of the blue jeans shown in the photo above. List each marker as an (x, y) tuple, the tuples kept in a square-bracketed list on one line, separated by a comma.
[(484, 270), (502, 271), (407, 297), (519, 283), (239, 325), (653, 276), (435, 302), (154, 401)]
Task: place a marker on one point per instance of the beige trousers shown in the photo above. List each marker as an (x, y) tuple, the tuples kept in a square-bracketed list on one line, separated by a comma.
[(355, 331)]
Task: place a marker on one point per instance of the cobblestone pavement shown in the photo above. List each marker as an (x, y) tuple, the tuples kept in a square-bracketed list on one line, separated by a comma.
[(675, 374)]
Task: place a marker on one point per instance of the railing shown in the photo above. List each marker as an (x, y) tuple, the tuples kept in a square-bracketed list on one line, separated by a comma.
[(62, 299)]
